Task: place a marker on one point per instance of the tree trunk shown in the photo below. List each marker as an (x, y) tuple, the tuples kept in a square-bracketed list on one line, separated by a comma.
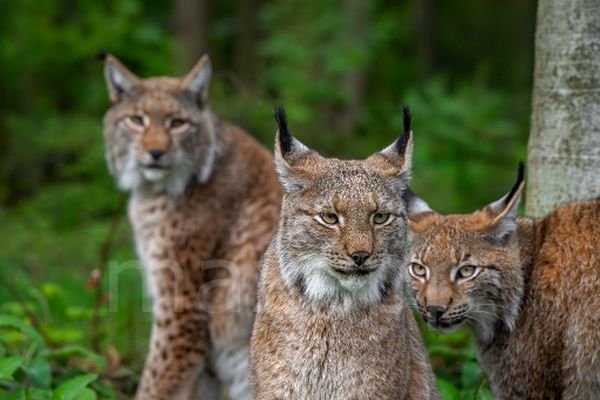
[(425, 18), (564, 145), (191, 27), (245, 43), (352, 83)]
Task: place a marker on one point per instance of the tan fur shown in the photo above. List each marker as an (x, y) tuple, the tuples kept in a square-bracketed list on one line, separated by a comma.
[(202, 218), (327, 327), (535, 304)]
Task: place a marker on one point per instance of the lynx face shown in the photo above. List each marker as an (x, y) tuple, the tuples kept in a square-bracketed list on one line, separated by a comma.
[(159, 131), (342, 233), (465, 269)]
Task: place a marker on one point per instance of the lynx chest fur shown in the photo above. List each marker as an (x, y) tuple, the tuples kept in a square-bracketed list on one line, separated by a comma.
[(204, 204), (529, 290), (331, 321)]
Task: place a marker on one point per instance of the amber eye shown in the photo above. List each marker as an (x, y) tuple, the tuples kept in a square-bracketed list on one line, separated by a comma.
[(466, 271), (418, 270), (329, 218), (381, 218), (176, 123), (137, 120)]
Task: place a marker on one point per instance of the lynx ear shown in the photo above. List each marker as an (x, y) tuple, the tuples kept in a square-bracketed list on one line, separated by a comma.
[(417, 210), (502, 213), (396, 159), (197, 80), (294, 161), (119, 79)]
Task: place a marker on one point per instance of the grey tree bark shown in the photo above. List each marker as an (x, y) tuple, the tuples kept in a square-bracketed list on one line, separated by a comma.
[(564, 144)]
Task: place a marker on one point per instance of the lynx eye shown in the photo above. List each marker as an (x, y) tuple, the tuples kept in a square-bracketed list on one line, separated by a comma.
[(381, 218), (177, 123), (329, 218), (418, 271), (466, 271), (136, 120)]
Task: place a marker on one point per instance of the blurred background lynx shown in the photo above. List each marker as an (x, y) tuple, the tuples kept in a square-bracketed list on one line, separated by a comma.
[(342, 68)]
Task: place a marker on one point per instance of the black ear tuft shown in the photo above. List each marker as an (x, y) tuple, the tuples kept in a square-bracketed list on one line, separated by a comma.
[(406, 118), (520, 177), (405, 137), (101, 55), (285, 138)]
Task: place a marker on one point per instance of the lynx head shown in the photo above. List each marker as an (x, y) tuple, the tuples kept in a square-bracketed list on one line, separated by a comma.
[(466, 269), (341, 241), (159, 131)]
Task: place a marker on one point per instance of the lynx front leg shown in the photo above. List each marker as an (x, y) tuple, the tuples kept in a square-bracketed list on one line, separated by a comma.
[(231, 316), (179, 340)]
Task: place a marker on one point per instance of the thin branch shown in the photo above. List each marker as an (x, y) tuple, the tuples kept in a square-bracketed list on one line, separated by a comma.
[(101, 270)]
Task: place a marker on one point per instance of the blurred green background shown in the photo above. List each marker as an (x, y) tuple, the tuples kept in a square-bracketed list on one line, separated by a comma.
[(342, 68)]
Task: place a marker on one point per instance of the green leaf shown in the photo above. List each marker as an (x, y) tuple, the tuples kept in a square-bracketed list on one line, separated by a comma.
[(9, 365), (448, 390), (64, 335), (471, 374), (77, 350), (485, 394), (8, 384), (38, 394), (40, 372), (87, 394), (71, 389), (7, 320)]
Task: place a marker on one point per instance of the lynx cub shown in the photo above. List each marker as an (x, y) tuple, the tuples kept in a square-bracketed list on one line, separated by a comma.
[(332, 322), (529, 289), (204, 205)]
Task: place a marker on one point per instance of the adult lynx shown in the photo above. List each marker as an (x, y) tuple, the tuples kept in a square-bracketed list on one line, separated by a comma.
[(204, 204), (332, 322), (529, 289)]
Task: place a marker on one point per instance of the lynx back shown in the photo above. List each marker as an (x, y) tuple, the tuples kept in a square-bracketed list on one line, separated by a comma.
[(331, 319), (527, 288), (204, 204)]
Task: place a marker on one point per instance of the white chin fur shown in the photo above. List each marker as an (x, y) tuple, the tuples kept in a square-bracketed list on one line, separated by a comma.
[(154, 174), (341, 293), (173, 180)]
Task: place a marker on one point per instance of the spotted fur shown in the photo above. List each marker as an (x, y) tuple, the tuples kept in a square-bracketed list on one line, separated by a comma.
[(204, 203), (533, 301), (332, 322)]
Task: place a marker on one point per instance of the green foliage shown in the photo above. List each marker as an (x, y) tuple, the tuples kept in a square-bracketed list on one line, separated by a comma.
[(39, 371), (343, 69)]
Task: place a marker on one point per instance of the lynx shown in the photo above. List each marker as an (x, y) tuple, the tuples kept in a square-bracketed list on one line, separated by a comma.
[(204, 204), (331, 321), (529, 290)]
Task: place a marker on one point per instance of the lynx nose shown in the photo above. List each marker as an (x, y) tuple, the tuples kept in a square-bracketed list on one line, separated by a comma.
[(436, 311), (360, 257), (156, 154)]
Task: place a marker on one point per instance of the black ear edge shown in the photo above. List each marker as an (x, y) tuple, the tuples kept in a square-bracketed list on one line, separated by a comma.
[(102, 55), (403, 140), (406, 118), (517, 185), (285, 138)]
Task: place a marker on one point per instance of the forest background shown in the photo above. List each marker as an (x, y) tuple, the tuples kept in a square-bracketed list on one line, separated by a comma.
[(342, 68)]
